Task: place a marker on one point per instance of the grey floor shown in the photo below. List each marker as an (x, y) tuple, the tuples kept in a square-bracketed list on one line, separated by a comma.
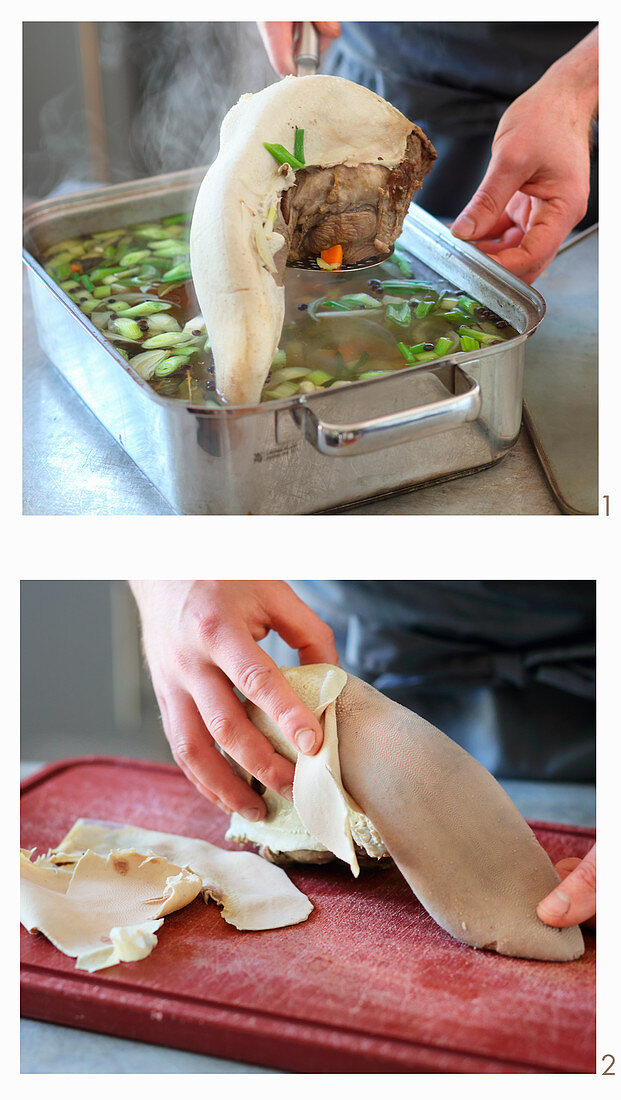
[(47, 1048)]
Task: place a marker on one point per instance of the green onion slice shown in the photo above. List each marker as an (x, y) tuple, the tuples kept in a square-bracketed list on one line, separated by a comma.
[(357, 301), (147, 361), (280, 359), (468, 343), (467, 304), (319, 377), (170, 365), (162, 340), (282, 156), (423, 308), (443, 345), (402, 264), (298, 146), (399, 314), (457, 316), (182, 271), (409, 285), (482, 337), (335, 303)]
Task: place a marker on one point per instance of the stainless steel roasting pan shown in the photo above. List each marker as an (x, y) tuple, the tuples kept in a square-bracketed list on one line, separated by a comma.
[(303, 454)]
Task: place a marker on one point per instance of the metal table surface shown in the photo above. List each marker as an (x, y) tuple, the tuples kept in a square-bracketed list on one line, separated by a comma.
[(561, 376), (49, 1048), (72, 466)]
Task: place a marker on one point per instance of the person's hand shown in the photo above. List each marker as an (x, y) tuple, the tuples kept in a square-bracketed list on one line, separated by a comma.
[(278, 41), (573, 900), (200, 639), (536, 187)]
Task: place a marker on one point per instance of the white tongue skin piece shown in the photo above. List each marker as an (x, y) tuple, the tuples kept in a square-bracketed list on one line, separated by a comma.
[(318, 793), (319, 799), (253, 894), (461, 844), (242, 303), (106, 908), (279, 834)]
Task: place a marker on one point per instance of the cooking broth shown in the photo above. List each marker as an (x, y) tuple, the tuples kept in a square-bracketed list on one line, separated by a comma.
[(134, 283)]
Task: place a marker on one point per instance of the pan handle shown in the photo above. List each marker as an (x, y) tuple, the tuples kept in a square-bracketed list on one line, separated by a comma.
[(385, 431)]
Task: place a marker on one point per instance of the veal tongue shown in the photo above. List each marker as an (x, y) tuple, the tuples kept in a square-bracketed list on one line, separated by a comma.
[(464, 848)]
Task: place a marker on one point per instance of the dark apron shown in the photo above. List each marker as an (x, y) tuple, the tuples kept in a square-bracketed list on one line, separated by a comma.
[(505, 668), (455, 80)]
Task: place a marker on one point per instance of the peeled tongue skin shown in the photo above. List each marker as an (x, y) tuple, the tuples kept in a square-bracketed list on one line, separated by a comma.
[(346, 128), (253, 895), (457, 838), (322, 811), (104, 909)]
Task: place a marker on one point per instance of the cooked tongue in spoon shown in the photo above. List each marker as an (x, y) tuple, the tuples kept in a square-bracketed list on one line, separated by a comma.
[(307, 166)]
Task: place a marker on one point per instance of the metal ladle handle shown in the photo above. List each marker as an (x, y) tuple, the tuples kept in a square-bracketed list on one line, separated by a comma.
[(306, 49)]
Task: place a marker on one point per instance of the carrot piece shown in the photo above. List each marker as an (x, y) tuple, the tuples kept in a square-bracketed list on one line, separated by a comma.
[(75, 267), (349, 350), (333, 256)]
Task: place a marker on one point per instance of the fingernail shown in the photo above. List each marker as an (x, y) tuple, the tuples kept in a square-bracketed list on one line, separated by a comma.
[(287, 792), (251, 814), (464, 227), (305, 740), (557, 904)]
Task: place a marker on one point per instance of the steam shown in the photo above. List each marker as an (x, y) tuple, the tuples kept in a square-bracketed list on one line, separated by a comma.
[(166, 86), (193, 73), (62, 161)]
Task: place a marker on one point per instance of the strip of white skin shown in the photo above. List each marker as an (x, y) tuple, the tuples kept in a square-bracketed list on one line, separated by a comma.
[(281, 830), (106, 908), (318, 794), (127, 944), (253, 894), (240, 300), (320, 802)]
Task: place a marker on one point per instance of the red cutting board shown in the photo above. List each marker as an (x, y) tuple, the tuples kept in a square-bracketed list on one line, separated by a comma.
[(369, 984)]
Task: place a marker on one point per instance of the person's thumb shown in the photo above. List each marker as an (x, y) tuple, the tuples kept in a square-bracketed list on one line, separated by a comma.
[(573, 900), (499, 184)]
